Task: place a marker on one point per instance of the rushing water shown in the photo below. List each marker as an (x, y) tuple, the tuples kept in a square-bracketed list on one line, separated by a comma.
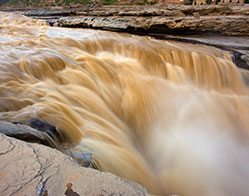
[(170, 116)]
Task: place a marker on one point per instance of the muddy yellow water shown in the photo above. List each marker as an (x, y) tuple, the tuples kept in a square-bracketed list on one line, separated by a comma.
[(173, 117)]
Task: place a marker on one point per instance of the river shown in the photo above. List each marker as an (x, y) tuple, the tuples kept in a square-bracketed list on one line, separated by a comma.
[(171, 116)]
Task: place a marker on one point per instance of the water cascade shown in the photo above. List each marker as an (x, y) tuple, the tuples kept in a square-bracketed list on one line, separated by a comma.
[(170, 116)]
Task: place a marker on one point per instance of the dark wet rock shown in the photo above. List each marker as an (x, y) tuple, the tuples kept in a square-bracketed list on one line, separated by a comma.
[(241, 59), (33, 169), (23, 132), (83, 158), (38, 131), (245, 57), (45, 128)]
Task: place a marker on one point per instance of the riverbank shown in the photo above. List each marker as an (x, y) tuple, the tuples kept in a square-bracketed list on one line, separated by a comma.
[(160, 18)]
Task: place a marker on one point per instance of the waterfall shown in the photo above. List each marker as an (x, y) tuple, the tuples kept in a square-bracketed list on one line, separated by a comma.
[(171, 116)]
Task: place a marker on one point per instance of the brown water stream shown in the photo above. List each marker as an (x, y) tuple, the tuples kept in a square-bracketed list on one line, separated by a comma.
[(170, 116)]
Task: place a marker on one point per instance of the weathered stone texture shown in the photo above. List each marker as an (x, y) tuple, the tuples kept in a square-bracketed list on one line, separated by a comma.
[(33, 169)]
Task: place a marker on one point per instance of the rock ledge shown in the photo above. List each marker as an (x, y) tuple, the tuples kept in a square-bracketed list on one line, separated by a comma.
[(34, 169)]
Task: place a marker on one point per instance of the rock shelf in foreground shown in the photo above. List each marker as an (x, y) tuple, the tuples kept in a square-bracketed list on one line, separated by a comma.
[(34, 169)]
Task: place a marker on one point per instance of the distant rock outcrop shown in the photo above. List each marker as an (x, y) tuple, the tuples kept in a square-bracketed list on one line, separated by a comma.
[(223, 25), (164, 19)]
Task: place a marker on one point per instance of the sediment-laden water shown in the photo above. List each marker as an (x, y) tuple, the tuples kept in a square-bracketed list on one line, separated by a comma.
[(173, 117)]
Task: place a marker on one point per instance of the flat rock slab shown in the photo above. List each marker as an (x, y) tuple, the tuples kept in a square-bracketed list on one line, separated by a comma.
[(34, 169), (222, 25)]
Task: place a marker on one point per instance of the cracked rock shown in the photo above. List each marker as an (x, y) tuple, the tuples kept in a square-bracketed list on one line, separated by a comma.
[(33, 169)]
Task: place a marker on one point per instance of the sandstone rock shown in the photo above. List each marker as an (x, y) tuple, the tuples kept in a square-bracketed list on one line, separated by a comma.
[(33, 169), (179, 13), (196, 15), (156, 10), (174, 18), (224, 25)]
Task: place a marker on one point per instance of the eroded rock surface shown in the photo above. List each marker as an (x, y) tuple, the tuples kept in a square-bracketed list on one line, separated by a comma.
[(156, 10), (224, 25), (160, 18), (170, 19), (34, 169)]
